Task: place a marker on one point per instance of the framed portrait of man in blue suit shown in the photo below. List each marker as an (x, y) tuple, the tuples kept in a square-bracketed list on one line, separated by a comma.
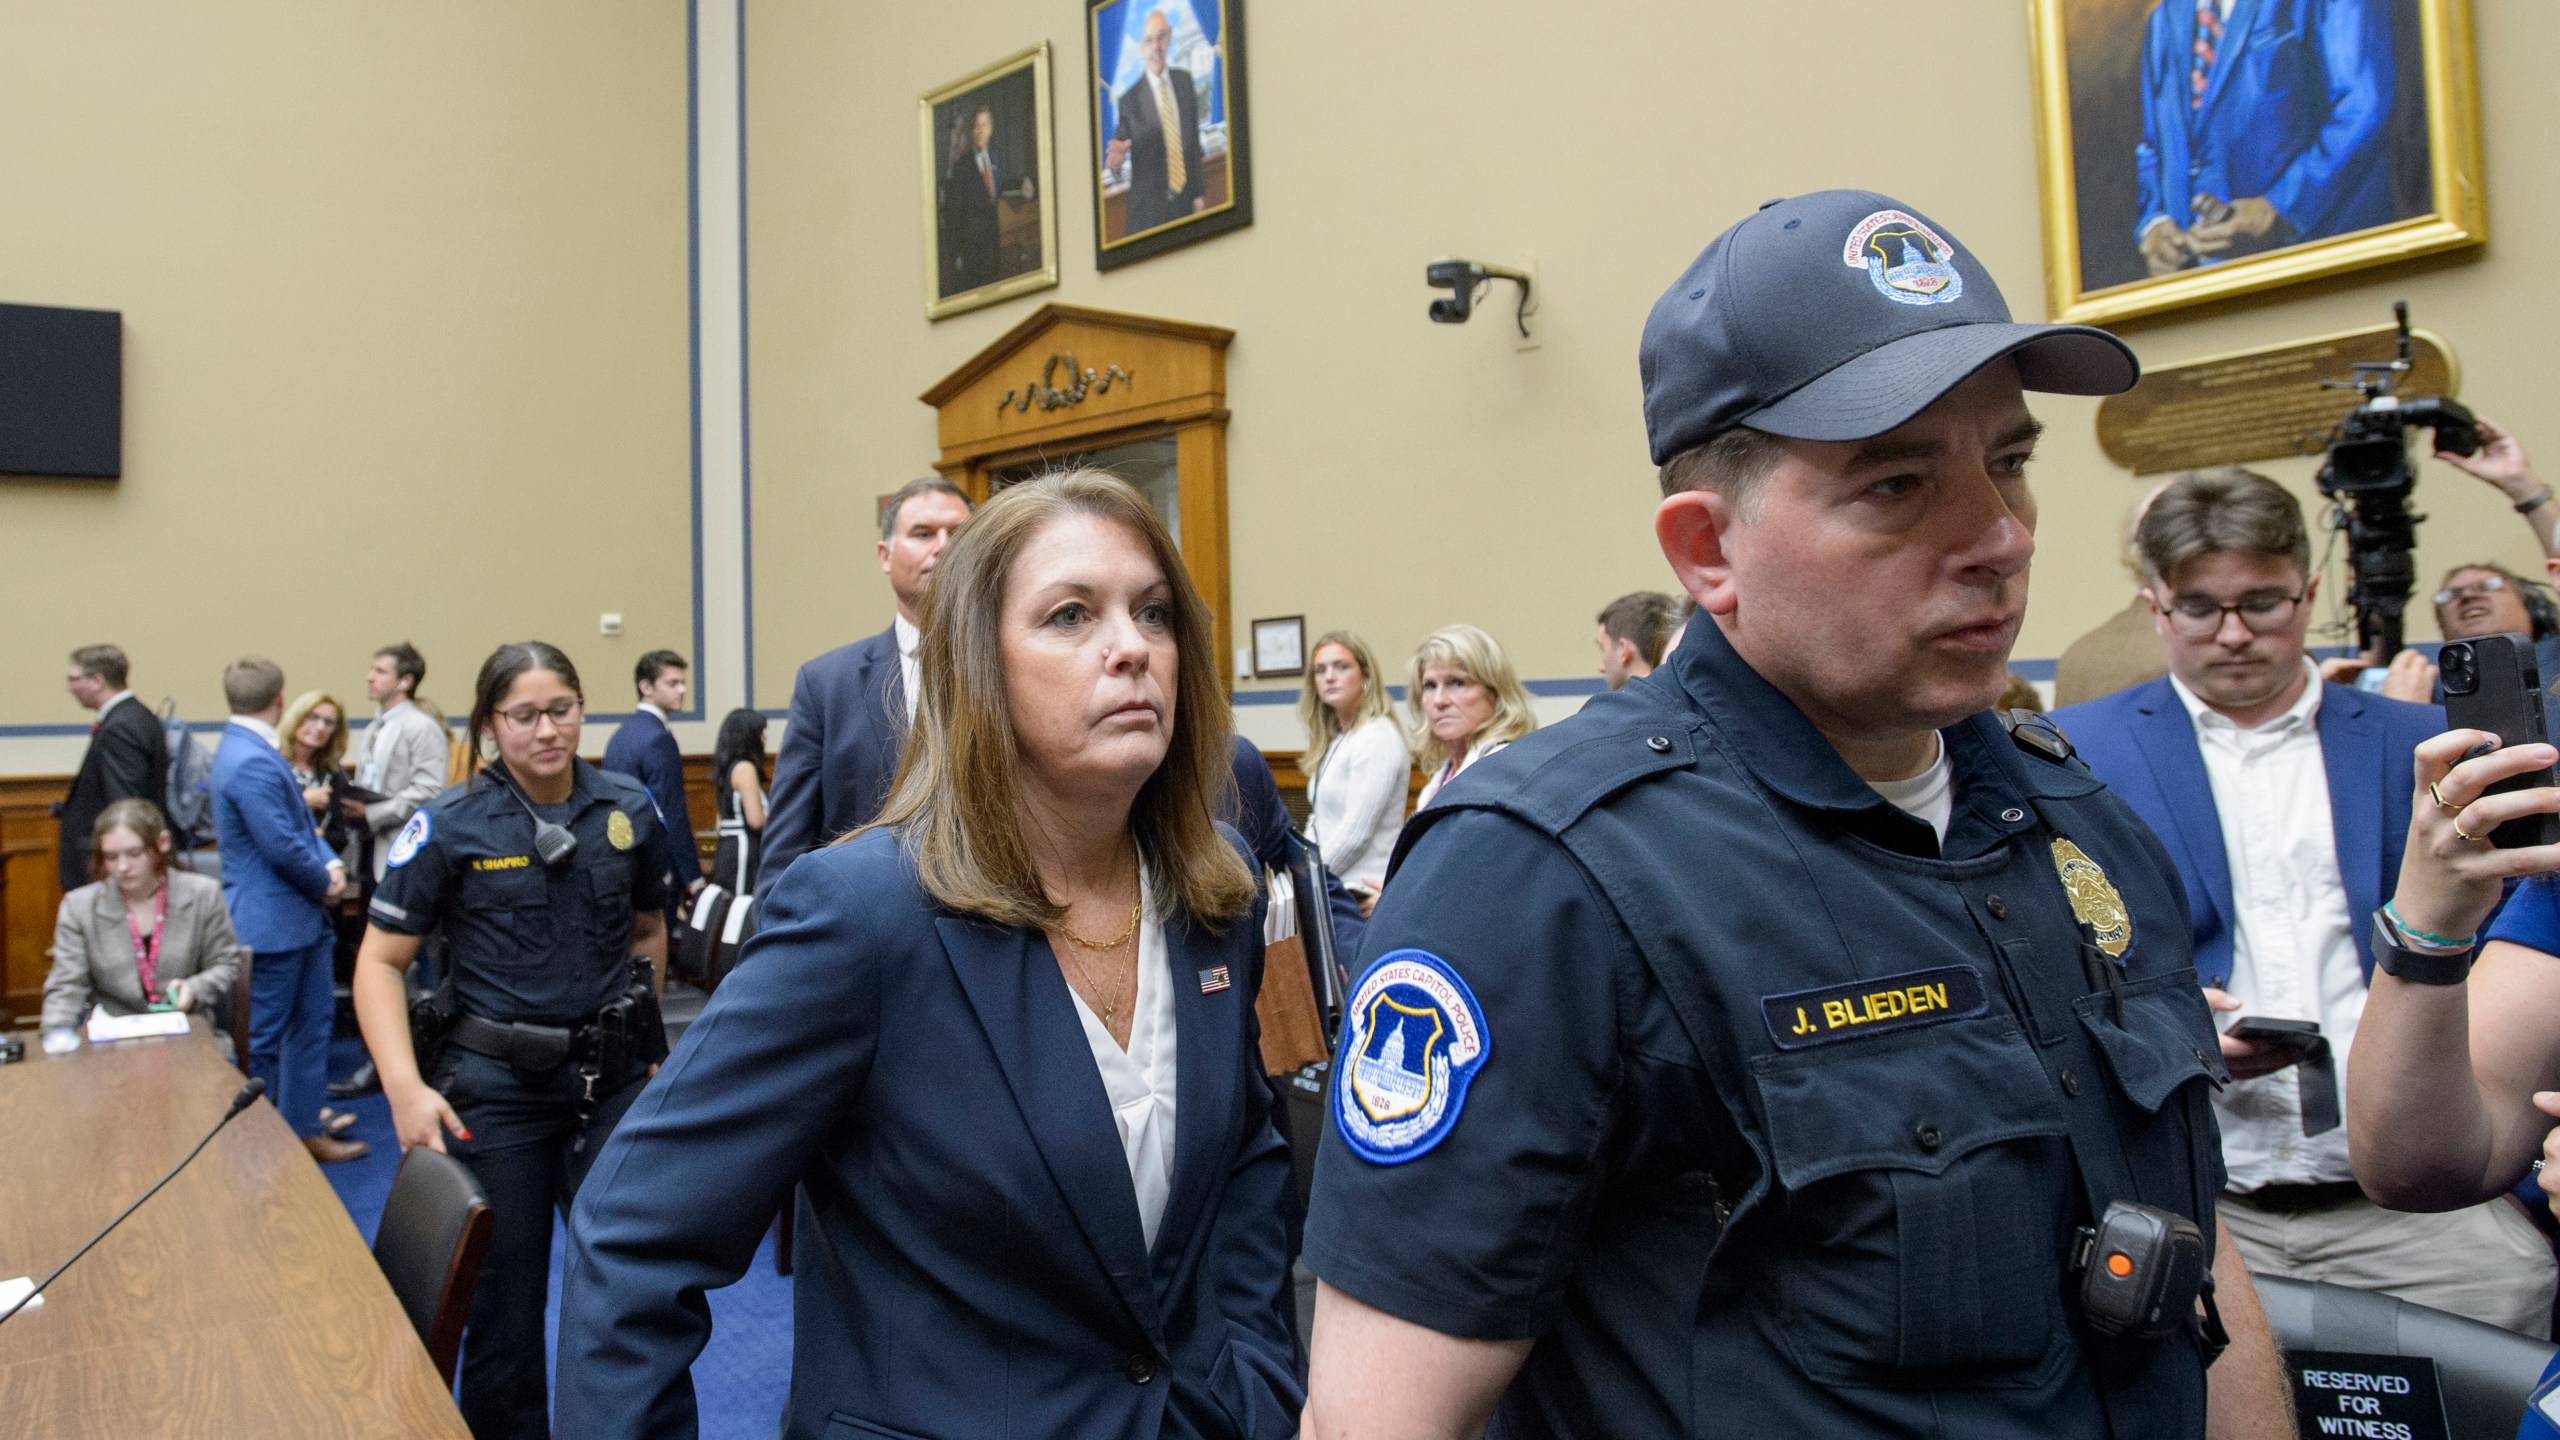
[(2194, 150), (1167, 88), (990, 209)]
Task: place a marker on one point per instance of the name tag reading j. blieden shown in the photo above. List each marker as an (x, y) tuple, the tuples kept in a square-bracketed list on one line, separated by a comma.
[(1873, 1007)]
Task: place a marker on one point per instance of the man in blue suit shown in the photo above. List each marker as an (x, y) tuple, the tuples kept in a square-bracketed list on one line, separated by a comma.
[(2264, 123), (644, 748), (277, 880), (2284, 803), (850, 707)]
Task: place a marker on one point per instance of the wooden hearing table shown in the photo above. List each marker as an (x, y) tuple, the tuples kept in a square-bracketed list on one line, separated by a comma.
[(240, 1301)]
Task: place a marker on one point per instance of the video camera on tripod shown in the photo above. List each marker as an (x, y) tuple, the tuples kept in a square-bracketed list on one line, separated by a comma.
[(2367, 476)]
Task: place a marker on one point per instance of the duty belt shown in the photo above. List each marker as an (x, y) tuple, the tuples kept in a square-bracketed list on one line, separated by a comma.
[(536, 1048)]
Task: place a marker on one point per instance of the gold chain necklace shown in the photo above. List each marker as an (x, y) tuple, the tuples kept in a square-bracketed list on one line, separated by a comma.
[(1116, 941)]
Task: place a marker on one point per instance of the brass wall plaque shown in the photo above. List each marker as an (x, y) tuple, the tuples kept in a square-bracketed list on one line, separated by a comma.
[(2261, 404)]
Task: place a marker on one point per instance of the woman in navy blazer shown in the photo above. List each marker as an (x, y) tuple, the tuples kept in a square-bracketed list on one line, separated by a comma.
[(1003, 1040)]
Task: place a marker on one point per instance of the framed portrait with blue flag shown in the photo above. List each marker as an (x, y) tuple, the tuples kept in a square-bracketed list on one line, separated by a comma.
[(1170, 162), (2197, 150)]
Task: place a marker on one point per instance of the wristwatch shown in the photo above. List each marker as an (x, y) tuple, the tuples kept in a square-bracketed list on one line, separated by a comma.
[(2399, 956)]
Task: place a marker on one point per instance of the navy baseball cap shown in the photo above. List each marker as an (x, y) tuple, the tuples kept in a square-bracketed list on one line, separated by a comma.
[(1837, 316)]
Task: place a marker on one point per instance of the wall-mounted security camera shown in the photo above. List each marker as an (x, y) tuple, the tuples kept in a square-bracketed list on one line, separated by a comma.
[(1465, 280)]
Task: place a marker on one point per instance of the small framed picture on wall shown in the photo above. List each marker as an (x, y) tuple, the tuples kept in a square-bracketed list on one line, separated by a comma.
[(1280, 647), (990, 207), (1166, 82)]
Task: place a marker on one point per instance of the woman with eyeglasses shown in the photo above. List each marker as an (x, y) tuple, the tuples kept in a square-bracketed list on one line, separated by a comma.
[(544, 877)]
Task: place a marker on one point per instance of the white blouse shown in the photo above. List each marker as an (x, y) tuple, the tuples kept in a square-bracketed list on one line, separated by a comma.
[(1355, 801), (1449, 772), (1141, 1080)]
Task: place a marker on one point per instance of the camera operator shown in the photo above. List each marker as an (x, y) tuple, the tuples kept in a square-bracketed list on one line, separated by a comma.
[(2484, 598)]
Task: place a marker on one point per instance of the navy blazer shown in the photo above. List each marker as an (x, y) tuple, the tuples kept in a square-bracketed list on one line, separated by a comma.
[(274, 868), (2143, 744), (644, 748), (969, 1260), (839, 752)]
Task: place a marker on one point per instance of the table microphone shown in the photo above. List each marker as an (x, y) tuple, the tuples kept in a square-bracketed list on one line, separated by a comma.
[(248, 1093)]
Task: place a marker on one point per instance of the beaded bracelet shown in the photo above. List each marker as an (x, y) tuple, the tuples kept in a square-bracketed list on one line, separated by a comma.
[(2392, 909)]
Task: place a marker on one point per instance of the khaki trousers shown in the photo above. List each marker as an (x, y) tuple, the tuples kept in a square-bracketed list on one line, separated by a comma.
[(2487, 1263)]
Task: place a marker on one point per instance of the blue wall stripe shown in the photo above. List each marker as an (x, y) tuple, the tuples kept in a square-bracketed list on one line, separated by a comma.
[(746, 449)]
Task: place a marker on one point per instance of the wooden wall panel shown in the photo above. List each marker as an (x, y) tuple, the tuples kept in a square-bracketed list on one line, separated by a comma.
[(30, 889)]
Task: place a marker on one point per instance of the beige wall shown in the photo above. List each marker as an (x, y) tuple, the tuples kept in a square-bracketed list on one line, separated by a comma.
[(1391, 475), (405, 292)]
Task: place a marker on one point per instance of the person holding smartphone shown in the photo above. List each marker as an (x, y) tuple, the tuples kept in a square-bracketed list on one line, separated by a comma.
[(2283, 798)]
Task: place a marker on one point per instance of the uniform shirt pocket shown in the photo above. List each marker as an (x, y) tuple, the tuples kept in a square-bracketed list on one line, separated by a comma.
[(515, 902), (1924, 1178)]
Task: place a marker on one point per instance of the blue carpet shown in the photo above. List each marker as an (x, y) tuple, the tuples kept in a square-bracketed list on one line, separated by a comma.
[(743, 1374)]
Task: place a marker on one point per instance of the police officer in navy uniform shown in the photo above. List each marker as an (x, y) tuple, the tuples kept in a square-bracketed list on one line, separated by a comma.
[(1759, 1051), (546, 877)]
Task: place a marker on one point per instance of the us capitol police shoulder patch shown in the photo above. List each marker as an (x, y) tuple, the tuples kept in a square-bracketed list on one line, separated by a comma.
[(1413, 1039), (412, 837)]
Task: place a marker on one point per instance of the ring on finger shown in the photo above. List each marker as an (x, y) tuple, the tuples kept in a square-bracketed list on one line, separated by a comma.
[(2467, 835), (2442, 803)]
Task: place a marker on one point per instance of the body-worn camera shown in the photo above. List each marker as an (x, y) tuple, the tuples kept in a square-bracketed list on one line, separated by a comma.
[(2367, 474), (2142, 1270)]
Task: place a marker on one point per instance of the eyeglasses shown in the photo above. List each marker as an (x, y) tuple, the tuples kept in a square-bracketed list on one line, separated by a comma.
[(2195, 618), (2485, 585), (559, 712)]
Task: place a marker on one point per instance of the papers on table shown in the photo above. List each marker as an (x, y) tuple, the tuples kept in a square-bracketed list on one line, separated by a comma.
[(104, 1027), (11, 1291)]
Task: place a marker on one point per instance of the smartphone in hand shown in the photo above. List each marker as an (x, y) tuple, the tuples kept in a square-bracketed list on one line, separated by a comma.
[(2286, 1034), (2492, 683)]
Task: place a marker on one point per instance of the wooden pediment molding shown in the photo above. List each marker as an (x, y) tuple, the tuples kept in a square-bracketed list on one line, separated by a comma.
[(1068, 373)]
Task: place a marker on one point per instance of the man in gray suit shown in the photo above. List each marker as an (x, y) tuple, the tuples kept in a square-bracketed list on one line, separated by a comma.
[(402, 755)]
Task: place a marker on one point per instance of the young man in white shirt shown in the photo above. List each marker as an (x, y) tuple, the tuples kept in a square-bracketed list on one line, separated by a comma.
[(2284, 802)]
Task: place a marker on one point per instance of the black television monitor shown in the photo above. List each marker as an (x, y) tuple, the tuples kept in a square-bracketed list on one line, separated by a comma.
[(61, 391)]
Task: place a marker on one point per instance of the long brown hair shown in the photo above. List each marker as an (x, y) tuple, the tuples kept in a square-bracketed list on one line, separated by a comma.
[(954, 798), (1324, 728)]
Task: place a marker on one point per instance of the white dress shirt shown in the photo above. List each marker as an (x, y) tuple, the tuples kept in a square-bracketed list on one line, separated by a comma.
[(910, 670), (254, 726), (1141, 1080), (1355, 801), (111, 702), (2293, 953), (646, 708), (1453, 770)]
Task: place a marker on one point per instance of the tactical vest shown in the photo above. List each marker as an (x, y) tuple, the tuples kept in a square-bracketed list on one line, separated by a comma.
[(1939, 1069)]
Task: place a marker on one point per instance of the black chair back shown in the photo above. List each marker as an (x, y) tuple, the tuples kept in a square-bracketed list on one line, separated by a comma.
[(434, 1233), (698, 934), (737, 923), (2486, 1372)]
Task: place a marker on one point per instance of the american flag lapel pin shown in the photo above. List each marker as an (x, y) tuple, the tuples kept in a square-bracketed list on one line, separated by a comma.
[(1213, 980)]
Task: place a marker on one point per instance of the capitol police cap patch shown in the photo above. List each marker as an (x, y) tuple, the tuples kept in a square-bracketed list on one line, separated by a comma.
[(1413, 1038), (1837, 316)]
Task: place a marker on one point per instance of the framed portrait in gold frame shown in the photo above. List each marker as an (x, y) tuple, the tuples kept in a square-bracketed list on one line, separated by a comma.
[(990, 197), (2197, 150)]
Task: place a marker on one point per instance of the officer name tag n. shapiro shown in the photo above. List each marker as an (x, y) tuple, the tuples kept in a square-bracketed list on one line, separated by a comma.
[(1873, 1007)]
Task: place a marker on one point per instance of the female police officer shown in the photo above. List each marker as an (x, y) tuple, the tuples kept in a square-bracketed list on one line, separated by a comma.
[(544, 876), (1003, 1041)]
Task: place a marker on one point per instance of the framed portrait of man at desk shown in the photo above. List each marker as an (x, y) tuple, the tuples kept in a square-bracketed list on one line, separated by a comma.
[(990, 209), (1166, 81), (2196, 150)]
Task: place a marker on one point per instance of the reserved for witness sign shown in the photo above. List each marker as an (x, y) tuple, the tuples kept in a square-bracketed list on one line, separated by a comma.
[(2366, 1397)]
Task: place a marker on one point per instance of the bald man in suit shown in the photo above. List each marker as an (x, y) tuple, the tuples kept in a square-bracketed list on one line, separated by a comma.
[(1158, 130)]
